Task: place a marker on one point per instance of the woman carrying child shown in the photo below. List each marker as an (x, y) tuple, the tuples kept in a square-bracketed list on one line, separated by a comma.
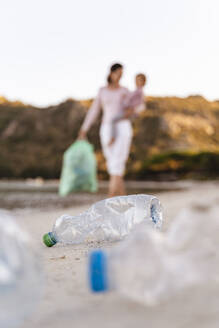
[(118, 105)]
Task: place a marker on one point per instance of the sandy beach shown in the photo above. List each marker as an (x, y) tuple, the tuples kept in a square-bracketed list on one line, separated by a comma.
[(67, 301)]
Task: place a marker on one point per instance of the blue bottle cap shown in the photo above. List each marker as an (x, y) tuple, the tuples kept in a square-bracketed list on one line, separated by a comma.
[(98, 276)]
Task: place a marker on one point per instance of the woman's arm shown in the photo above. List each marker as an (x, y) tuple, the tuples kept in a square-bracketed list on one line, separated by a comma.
[(132, 99), (91, 116), (133, 103), (140, 108), (135, 108), (139, 102)]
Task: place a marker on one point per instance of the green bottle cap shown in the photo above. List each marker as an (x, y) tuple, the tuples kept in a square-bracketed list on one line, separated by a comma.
[(49, 239)]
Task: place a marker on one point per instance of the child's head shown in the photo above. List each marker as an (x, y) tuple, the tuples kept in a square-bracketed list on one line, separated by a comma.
[(140, 80)]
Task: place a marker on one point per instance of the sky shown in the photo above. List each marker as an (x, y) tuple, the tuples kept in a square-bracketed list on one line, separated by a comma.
[(51, 50)]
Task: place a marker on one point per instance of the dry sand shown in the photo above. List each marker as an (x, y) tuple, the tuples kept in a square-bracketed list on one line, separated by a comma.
[(67, 301)]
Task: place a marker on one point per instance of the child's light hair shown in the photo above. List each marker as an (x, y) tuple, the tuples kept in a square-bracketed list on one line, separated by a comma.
[(142, 76)]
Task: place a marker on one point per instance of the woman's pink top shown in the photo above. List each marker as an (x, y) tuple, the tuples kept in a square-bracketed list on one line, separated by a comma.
[(111, 102)]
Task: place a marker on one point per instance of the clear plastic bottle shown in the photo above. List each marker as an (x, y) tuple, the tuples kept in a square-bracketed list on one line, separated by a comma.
[(20, 274), (133, 268), (152, 267), (110, 220)]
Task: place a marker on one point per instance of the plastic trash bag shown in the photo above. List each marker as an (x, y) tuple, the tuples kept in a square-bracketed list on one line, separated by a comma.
[(79, 169)]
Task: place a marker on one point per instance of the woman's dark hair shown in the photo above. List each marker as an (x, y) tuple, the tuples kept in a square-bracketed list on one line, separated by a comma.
[(113, 68)]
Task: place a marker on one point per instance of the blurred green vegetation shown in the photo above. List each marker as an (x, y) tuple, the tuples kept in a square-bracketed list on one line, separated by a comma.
[(174, 138), (180, 165)]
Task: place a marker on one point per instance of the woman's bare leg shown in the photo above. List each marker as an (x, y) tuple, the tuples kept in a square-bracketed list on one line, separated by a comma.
[(122, 189), (112, 186), (116, 186)]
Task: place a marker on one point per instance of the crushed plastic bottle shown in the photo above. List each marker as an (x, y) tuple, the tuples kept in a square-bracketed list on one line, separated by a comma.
[(20, 274), (110, 220), (152, 267)]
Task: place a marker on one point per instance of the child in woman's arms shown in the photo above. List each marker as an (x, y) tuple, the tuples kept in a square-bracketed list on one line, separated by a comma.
[(133, 104)]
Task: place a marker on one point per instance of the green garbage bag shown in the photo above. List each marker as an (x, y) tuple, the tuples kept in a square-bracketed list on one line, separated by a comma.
[(78, 169)]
